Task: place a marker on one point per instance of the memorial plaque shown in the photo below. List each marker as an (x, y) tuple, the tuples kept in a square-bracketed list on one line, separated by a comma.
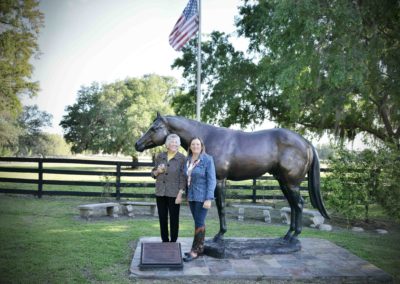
[(161, 255)]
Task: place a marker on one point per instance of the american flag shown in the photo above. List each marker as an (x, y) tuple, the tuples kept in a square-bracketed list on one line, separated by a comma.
[(186, 26)]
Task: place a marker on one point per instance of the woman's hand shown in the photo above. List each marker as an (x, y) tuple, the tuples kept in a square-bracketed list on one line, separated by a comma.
[(178, 199), (207, 204), (161, 169)]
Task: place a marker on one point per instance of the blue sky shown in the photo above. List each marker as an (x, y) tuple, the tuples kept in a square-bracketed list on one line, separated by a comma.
[(106, 40)]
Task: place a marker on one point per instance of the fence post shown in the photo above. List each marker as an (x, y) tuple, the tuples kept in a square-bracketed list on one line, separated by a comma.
[(40, 181), (118, 182), (254, 190)]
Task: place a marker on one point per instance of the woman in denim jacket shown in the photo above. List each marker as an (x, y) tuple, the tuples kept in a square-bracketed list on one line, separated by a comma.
[(201, 180)]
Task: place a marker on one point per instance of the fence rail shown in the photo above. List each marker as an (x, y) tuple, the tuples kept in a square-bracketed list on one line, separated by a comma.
[(118, 173)]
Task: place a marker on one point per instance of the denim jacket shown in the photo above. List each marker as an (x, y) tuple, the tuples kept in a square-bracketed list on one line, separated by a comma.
[(203, 179)]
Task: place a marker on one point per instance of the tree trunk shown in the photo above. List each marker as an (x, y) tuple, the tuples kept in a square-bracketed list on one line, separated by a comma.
[(135, 159)]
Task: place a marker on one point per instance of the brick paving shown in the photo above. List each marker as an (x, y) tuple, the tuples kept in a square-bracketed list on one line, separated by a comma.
[(319, 261)]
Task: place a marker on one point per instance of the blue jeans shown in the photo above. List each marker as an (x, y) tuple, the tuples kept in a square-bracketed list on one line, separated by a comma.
[(199, 213)]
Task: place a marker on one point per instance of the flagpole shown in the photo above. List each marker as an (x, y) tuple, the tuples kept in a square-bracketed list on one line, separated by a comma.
[(198, 97)]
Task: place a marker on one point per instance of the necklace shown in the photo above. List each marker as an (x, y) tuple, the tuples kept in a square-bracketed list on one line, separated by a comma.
[(190, 166)]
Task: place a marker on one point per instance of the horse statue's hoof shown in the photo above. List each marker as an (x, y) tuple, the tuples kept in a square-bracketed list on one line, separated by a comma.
[(294, 240), (218, 238), (283, 240), (287, 237)]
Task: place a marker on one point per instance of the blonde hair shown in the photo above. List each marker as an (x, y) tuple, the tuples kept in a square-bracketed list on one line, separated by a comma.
[(173, 136)]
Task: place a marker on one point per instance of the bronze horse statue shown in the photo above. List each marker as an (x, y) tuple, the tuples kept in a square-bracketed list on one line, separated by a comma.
[(242, 155)]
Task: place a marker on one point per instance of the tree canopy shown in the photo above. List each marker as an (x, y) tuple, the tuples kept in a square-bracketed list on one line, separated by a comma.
[(109, 118), (317, 65), (20, 22), (31, 139)]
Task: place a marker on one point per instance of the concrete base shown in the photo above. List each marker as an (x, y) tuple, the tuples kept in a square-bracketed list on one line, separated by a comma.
[(243, 248), (319, 261)]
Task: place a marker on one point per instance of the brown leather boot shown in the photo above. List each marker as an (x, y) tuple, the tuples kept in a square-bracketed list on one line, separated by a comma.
[(198, 242), (197, 245)]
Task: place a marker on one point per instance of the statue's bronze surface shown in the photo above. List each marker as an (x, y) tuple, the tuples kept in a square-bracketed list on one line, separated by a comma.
[(242, 155)]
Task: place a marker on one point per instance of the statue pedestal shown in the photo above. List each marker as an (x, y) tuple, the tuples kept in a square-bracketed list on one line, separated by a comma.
[(318, 261), (243, 248)]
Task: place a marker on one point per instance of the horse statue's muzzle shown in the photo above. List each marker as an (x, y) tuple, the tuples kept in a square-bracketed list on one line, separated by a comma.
[(139, 147)]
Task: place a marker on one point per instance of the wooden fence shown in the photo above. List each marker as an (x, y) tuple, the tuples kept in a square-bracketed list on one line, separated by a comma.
[(118, 169)]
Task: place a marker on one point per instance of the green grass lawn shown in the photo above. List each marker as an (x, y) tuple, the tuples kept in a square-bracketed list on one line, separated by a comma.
[(44, 241)]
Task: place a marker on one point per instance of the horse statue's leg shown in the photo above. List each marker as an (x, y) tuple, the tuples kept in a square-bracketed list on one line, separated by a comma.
[(292, 228), (286, 192), (298, 209), (296, 216), (220, 202)]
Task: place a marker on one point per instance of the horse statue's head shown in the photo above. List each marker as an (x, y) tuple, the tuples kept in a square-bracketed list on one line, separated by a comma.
[(155, 136)]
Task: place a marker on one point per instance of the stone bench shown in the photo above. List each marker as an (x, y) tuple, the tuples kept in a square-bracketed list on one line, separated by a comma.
[(314, 216), (87, 211), (128, 207), (265, 209)]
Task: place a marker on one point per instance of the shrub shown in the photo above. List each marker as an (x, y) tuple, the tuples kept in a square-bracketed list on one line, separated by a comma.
[(351, 183), (388, 193), (359, 179)]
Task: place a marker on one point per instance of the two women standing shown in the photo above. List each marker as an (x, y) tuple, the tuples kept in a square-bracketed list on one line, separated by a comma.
[(196, 174)]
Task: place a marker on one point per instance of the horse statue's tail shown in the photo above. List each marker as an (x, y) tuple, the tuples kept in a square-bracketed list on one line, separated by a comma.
[(314, 190)]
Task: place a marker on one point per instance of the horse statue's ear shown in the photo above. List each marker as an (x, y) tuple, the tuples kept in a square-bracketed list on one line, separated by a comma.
[(163, 119), (159, 116)]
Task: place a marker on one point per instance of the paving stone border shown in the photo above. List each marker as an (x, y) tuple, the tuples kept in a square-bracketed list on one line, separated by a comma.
[(319, 261)]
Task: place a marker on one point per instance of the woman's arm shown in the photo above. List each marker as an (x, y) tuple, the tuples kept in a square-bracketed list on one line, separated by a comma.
[(181, 183), (182, 176), (211, 178), (154, 171)]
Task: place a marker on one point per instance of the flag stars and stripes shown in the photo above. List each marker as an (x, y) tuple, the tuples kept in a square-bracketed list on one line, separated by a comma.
[(186, 26)]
